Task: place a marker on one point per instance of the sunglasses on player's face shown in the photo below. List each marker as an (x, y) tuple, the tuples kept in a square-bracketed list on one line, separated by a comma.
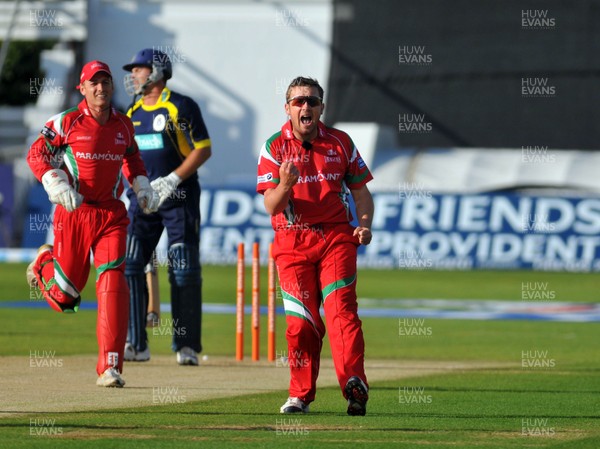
[(301, 99)]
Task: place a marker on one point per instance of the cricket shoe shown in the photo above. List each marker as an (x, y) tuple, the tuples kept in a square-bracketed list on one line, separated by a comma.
[(110, 378), (30, 274), (32, 280), (132, 355), (187, 356), (294, 405), (358, 395)]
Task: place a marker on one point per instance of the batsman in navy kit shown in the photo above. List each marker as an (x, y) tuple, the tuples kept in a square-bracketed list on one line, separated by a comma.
[(174, 143)]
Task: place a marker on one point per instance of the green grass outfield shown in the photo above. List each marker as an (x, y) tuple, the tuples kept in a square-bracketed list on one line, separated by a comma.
[(509, 406)]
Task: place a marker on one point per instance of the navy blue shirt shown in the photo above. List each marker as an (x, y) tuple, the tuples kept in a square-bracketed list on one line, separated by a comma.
[(167, 132)]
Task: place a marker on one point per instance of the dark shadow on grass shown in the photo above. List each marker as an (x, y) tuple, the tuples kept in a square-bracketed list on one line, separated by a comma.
[(350, 427), (488, 390)]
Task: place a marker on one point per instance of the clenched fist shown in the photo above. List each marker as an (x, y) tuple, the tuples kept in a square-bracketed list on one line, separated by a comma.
[(288, 174), (364, 235)]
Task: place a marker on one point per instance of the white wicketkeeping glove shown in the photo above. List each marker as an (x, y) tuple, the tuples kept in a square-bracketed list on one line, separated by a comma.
[(166, 185), (146, 196), (56, 184)]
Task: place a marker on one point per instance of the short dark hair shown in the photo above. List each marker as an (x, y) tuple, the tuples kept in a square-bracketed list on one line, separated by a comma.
[(302, 81)]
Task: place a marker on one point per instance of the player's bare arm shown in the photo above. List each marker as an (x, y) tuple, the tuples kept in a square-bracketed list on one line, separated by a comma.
[(364, 211), (193, 162), (276, 200)]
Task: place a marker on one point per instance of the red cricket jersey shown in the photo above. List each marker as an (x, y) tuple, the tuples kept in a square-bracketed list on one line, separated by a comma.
[(327, 170), (90, 153)]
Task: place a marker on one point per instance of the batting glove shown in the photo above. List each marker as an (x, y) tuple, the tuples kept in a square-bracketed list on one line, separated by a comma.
[(166, 185), (146, 196), (56, 184)]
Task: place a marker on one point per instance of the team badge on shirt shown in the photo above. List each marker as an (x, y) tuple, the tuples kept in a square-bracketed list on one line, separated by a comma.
[(332, 156), (265, 178), (48, 132), (120, 139), (159, 123)]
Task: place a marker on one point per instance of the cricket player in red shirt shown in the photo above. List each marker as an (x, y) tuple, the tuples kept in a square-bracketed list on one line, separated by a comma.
[(78, 158), (307, 172)]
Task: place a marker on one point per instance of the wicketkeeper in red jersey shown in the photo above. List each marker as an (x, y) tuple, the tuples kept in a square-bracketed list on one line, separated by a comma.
[(78, 158), (307, 172)]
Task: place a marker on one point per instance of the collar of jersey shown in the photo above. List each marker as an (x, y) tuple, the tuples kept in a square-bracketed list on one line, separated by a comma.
[(83, 108), (288, 134), (163, 98)]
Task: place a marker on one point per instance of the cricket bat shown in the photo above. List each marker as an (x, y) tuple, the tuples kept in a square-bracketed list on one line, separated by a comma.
[(153, 316)]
